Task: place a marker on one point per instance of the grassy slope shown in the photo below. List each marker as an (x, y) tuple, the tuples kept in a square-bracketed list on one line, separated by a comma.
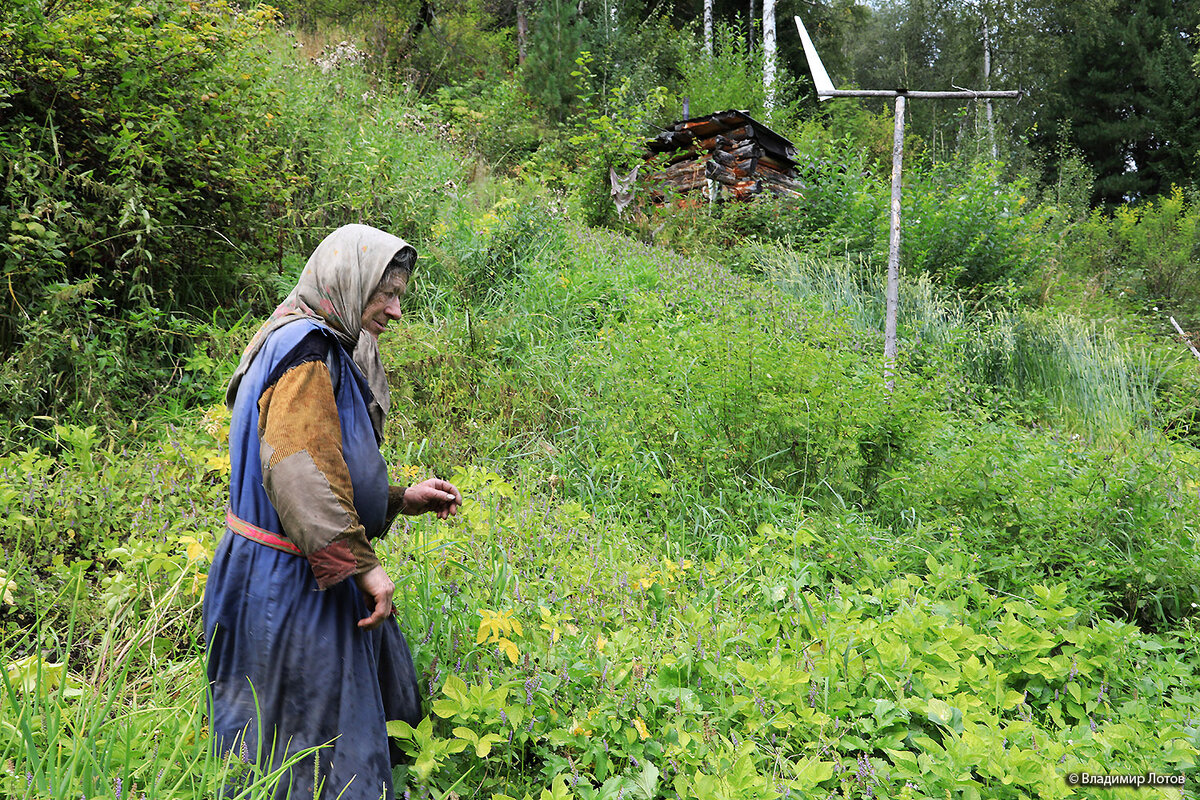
[(703, 553)]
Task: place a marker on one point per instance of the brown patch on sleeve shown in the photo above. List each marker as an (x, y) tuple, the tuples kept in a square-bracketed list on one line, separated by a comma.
[(299, 413)]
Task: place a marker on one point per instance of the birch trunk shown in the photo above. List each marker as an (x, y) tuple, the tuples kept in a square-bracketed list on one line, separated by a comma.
[(769, 55), (893, 277), (708, 25), (522, 32), (987, 84)]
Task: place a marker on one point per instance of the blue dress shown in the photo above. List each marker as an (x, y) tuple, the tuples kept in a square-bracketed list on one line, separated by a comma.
[(288, 667)]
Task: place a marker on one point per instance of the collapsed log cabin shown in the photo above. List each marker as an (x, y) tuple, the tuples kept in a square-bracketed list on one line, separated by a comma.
[(724, 153)]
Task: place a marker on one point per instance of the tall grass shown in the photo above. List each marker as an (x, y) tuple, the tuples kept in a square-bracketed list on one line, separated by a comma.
[(1090, 374), (131, 726)]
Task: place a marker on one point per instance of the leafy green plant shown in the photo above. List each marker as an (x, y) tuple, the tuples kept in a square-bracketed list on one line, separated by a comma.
[(731, 78), (1159, 241), (139, 165), (610, 136), (985, 240)]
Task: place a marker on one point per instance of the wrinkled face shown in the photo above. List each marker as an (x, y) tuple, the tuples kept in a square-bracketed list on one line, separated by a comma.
[(384, 303)]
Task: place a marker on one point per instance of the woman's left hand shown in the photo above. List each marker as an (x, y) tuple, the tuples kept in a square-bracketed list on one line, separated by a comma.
[(436, 495)]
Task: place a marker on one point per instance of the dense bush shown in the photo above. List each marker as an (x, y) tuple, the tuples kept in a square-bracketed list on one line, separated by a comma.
[(1027, 508), (1159, 242), (167, 172), (985, 239), (497, 119), (138, 176)]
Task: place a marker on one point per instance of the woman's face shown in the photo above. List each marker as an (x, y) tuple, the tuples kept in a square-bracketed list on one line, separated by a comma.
[(384, 303)]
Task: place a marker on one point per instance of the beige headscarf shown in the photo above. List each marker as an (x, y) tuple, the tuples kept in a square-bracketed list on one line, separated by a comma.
[(334, 288)]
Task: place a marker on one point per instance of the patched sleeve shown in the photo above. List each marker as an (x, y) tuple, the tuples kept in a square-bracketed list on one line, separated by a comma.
[(305, 474)]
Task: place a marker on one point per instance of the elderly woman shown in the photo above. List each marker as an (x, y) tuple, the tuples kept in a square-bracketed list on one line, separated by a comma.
[(303, 650)]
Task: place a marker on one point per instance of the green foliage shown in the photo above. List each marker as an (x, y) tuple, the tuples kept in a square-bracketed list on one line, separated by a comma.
[(557, 38), (361, 149), (1161, 241), (135, 160), (117, 732), (1145, 255), (79, 508), (158, 179), (985, 240), (1026, 509), (610, 136), (462, 41), (650, 590), (496, 118), (641, 672), (1053, 367), (1121, 112), (712, 405), (731, 78)]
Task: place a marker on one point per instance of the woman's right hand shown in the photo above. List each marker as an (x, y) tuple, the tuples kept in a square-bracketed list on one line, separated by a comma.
[(378, 589)]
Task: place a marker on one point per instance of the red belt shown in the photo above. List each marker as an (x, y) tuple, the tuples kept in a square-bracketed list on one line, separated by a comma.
[(260, 535)]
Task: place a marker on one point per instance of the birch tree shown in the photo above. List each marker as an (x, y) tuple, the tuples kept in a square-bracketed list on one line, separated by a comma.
[(769, 55), (708, 27)]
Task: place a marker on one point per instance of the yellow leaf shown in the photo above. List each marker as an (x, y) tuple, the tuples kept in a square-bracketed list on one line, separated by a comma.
[(494, 625), (510, 650), (195, 550), (641, 728)]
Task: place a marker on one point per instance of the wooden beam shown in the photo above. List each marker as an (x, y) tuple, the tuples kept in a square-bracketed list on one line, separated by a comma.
[(964, 94)]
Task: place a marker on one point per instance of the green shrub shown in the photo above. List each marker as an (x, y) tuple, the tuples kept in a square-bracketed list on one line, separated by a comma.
[(1082, 375), (843, 207), (496, 118), (138, 175), (731, 78), (969, 229), (1029, 508), (362, 150), (570, 655), (460, 42), (1160, 242)]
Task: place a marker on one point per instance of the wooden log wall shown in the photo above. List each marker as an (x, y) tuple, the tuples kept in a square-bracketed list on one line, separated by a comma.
[(725, 148)]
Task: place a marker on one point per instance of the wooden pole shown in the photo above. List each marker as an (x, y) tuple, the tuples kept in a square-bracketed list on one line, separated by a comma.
[(962, 94), (825, 91), (1186, 339), (893, 277)]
